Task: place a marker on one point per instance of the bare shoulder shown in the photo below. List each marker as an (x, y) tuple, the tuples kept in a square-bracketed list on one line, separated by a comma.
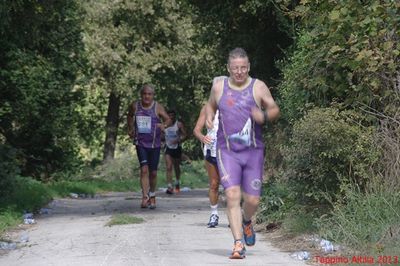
[(159, 107), (262, 94), (180, 124), (218, 86), (217, 90), (261, 88), (132, 107)]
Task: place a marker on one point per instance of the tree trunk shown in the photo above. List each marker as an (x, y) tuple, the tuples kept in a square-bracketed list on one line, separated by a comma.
[(112, 122)]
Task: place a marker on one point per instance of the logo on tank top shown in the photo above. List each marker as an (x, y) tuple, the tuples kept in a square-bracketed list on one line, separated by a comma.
[(230, 101), (256, 184), (243, 136)]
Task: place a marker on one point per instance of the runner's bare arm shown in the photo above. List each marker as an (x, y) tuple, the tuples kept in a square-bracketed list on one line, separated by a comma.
[(267, 102), (182, 131), (197, 131), (164, 116), (211, 106), (131, 119)]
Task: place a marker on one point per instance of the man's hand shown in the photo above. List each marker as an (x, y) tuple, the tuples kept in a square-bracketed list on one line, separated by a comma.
[(207, 140), (161, 126), (258, 115)]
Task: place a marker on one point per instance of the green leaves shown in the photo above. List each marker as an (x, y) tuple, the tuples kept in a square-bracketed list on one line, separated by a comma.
[(328, 148), (40, 61), (349, 52)]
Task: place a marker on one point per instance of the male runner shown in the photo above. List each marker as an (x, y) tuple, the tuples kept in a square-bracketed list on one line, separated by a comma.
[(174, 136), (210, 152), (244, 105), (144, 127)]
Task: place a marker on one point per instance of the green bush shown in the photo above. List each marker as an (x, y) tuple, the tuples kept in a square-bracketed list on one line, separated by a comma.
[(328, 148), (365, 221), (29, 194), (275, 202)]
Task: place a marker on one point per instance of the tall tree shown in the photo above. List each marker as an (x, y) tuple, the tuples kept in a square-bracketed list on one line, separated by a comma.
[(40, 60), (132, 42), (259, 26)]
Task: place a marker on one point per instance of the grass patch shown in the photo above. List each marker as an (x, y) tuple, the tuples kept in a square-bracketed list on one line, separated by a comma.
[(29, 195), (299, 221), (9, 218), (368, 222), (119, 219)]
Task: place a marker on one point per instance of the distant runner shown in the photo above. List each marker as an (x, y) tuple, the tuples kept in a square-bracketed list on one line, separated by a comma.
[(210, 152), (174, 136), (144, 128)]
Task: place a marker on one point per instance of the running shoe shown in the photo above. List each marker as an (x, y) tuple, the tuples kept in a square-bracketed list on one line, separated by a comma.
[(177, 188), (239, 251), (145, 202), (249, 234), (213, 221), (169, 191), (152, 203)]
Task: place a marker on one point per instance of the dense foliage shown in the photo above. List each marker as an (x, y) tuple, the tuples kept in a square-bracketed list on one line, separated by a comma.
[(40, 61), (328, 149)]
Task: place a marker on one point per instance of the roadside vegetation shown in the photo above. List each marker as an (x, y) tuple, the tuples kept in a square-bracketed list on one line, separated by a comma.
[(334, 164), (121, 174), (120, 219)]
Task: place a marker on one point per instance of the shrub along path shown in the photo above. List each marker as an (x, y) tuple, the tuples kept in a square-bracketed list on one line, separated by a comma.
[(175, 233)]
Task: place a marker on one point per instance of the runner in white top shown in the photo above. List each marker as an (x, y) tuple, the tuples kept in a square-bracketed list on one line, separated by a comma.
[(174, 136), (210, 144)]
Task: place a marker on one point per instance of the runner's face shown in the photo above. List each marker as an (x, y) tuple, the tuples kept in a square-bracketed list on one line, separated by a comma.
[(238, 69), (147, 96), (172, 116)]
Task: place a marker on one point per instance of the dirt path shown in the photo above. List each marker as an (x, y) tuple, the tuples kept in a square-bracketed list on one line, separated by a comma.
[(173, 234)]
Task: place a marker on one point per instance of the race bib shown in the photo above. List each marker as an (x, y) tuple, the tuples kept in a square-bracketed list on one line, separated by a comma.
[(143, 124), (243, 136)]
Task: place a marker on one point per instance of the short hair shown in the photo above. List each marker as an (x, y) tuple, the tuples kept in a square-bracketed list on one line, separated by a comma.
[(237, 53), (148, 86), (171, 111)]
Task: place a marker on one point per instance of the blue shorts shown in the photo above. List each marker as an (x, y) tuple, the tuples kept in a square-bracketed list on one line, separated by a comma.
[(212, 160), (148, 156)]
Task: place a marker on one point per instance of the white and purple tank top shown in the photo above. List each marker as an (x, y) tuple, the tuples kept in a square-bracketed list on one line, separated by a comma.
[(148, 135), (213, 134), (172, 136), (237, 130)]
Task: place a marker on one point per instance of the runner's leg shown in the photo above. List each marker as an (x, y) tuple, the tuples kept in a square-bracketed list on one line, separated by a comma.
[(142, 155), (233, 196), (177, 168), (230, 171), (154, 158), (213, 182), (168, 165)]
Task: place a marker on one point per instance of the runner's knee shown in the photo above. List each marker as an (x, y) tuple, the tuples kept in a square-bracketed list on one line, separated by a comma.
[(214, 184), (233, 195)]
